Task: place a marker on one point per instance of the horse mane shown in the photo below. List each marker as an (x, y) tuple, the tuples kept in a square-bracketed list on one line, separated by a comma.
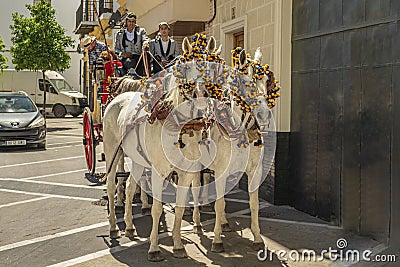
[(172, 96), (127, 84)]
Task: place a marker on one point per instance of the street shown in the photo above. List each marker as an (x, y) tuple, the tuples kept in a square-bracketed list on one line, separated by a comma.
[(51, 215)]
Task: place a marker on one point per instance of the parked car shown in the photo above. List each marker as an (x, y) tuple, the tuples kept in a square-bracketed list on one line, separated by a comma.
[(21, 122)]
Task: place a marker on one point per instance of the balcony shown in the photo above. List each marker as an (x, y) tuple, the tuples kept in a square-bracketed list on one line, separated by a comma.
[(105, 6), (86, 18)]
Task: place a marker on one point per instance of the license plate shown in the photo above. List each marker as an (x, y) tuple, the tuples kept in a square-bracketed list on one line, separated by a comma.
[(15, 143)]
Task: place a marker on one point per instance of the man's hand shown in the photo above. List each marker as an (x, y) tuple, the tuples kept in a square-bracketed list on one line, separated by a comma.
[(126, 54), (91, 68), (165, 62), (145, 47)]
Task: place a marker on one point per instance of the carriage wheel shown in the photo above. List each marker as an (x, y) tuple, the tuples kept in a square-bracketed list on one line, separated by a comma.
[(89, 141)]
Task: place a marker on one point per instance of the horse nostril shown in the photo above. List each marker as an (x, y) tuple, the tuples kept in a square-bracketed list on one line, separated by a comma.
[(260, 116)]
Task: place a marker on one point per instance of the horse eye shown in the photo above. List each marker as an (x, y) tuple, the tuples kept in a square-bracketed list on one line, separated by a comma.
[(261, 116)]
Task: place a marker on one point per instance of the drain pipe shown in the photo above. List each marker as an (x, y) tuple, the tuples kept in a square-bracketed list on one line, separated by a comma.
[(215, 12)]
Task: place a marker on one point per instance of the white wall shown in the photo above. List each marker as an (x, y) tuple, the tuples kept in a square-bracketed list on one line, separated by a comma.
[(65, 14)]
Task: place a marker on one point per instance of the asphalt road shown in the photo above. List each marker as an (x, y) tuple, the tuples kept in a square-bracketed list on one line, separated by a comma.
[(48, 209), (45, 202), (50, 216)]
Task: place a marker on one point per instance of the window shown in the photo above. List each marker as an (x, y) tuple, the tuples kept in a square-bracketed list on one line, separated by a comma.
[(62, 85), (16, 104), (49, 87)]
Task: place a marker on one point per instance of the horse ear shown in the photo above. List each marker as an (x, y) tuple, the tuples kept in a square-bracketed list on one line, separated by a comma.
[(258, 55), (219, 50), (211, 44), (186, 46), (242, 58)]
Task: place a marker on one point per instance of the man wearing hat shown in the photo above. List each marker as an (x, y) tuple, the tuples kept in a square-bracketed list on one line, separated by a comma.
[(129, 44), (163, 48), (94, 48)]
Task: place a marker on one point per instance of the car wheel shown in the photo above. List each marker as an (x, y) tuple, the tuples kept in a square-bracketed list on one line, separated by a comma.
[(59, 111)]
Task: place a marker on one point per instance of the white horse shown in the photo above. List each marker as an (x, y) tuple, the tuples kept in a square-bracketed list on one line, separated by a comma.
[(128, 84), (257, 123), (142, 142)]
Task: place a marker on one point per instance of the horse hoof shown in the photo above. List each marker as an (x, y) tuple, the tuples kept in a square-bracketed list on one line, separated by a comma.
[(146, 211), (217, 247), (226, 228), (155, 256), (206, 208), (257, 246), (114, 234), (180, 253), (130, 233), (197, 229)]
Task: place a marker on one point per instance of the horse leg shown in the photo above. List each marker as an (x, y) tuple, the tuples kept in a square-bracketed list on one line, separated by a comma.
[(217, 245), (136, 171), (154, 253), (206, 181), (224, 223), (258, 242), (181, 202), (120, 185), (254, 180), (196, 212), (114, 231), (146, 208)]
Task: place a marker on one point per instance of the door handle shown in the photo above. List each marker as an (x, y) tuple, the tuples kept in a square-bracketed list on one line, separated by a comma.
[(32, 94), (40, 94)]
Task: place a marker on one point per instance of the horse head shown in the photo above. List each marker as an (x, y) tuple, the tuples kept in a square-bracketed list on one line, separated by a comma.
[(191, 69), (250, 89)]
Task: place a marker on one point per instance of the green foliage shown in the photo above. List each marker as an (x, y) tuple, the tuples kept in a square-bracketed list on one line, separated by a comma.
[(3, 59), (39, 42)]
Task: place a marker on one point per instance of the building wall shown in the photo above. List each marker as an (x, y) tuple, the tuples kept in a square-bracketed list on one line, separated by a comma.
[(266, 24), (344, 107), (150, 13)]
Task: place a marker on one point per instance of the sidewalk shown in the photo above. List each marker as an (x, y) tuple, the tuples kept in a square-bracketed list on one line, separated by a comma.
[(286, 232)]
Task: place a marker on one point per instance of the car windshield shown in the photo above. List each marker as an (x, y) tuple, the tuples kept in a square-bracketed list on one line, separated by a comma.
[(16, 104), (61, 85)]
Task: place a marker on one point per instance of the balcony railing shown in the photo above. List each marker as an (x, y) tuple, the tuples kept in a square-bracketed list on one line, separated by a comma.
[(105, 6), (86, 18)]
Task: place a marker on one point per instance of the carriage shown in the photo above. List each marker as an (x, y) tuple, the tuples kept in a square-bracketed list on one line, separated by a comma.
[(104, 91), (249, 87)]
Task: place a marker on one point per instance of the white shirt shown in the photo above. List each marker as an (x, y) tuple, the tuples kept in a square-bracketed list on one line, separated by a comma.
[(164, 45), (130, 35)]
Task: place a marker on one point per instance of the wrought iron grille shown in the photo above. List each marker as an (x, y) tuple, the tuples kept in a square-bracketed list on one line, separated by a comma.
[(85, 12)]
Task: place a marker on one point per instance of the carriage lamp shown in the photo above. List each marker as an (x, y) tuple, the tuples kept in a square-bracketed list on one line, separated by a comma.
[(100, 72)]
